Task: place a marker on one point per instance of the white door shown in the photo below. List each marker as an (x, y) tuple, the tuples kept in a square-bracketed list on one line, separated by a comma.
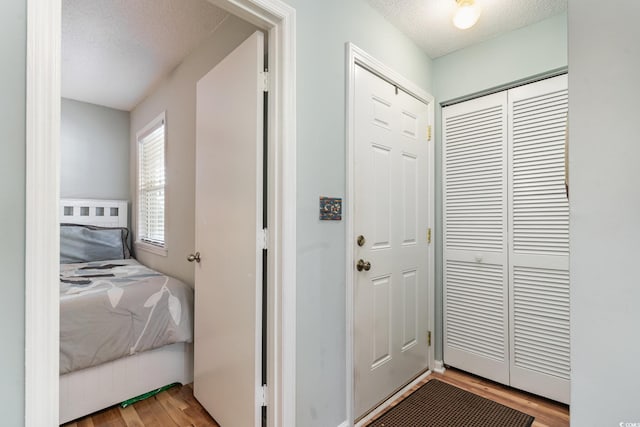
[(539, 239), (506, 238), (476, 335), (229, 206), (391, 213)]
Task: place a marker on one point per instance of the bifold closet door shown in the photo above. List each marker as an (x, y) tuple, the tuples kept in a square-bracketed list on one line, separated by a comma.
[(475, 237), (539, 239)]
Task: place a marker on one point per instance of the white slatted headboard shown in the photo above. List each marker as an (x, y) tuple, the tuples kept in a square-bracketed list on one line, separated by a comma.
[(103, 213)]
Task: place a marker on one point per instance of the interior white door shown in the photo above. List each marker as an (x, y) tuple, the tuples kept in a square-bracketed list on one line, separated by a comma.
[(539, 239), (229, 206), (475, 278), (391, 213)]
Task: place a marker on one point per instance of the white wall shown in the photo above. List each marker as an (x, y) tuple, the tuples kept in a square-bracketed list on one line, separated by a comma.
[(12, 208), (177, 96), (604, 59), (519, 54), (94, 151), (323, 27)]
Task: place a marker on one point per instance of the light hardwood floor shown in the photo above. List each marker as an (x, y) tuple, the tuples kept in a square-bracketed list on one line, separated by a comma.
[(171, 408), (178, 407)]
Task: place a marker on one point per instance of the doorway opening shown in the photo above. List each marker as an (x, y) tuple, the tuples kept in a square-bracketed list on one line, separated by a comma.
[(42, 240)]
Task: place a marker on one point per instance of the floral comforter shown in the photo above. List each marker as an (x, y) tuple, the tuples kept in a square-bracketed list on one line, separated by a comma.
[(112, 309)]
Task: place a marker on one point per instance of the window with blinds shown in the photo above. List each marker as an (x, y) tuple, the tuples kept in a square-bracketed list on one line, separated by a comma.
[(151, 184)]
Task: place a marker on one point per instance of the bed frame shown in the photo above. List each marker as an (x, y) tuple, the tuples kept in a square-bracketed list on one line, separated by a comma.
[(104, 213), (89, 390)]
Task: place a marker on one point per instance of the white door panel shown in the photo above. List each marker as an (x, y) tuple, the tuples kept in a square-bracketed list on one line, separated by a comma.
[(506, 238), (539, 239), (229, 190), (475, 238), (391, 212)]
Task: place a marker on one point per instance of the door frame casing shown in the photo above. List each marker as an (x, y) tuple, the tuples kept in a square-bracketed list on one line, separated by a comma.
[(358, 57), (42, 199)]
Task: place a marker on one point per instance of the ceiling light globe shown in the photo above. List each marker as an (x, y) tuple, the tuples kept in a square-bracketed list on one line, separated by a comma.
[(466, 15)]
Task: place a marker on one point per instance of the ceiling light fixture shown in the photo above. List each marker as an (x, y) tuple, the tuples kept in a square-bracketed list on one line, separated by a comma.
[(466, 14)]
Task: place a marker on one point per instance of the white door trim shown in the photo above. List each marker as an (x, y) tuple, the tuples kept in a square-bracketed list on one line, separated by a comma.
[(42, 239), (42, 198), (356, 56)]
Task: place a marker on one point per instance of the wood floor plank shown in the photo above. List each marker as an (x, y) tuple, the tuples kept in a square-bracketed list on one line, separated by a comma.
[(200, 417), (174, 412), (176, 396), (150, 415), (131, 417), (108, 418)]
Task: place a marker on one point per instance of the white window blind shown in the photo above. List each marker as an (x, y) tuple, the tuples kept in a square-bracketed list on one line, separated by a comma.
[(151, 183)]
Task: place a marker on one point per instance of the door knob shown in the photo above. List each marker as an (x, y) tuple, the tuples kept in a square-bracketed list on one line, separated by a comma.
[(363, 265), (194, 257)]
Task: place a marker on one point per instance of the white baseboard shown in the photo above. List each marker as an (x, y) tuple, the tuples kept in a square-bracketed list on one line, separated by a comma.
[(371, 415), (345, 423), (439, 367)]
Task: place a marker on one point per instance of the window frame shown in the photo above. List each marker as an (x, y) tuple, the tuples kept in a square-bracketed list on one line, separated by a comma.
[(139, 244)]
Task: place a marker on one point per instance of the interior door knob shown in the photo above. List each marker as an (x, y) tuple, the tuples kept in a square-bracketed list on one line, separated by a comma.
[(363, 265), (194, 257)]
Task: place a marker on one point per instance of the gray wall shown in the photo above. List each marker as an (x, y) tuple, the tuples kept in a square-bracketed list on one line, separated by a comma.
[(323, 27), (513, 56), (604, 58), (12, 210), (94, 151), (177, 96)]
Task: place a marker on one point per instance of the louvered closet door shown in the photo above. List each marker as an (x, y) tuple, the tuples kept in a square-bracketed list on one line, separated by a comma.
[(539, 239), (475, 237)]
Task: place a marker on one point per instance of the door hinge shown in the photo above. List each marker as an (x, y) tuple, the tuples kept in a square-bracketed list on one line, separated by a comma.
[(429, 338), (263, 239), (265, 81), (429, 235), (429, 133), (262, 395)]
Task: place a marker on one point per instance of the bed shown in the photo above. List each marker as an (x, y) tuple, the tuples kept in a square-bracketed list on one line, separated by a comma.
[(124, 329)]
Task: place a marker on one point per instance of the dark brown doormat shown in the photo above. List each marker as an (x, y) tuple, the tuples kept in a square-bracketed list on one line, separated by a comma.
[(438, 404)]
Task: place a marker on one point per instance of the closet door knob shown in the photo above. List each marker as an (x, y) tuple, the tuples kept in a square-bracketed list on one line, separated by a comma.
[(194, 257)]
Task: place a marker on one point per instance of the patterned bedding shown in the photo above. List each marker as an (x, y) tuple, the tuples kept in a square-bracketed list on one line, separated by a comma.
[(112, 309)]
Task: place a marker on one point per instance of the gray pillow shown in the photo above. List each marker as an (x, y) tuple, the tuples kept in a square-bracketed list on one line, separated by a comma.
[(86, 243)]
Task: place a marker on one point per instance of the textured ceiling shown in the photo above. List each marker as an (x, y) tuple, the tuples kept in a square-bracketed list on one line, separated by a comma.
[(428, 22), (114, 51)]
